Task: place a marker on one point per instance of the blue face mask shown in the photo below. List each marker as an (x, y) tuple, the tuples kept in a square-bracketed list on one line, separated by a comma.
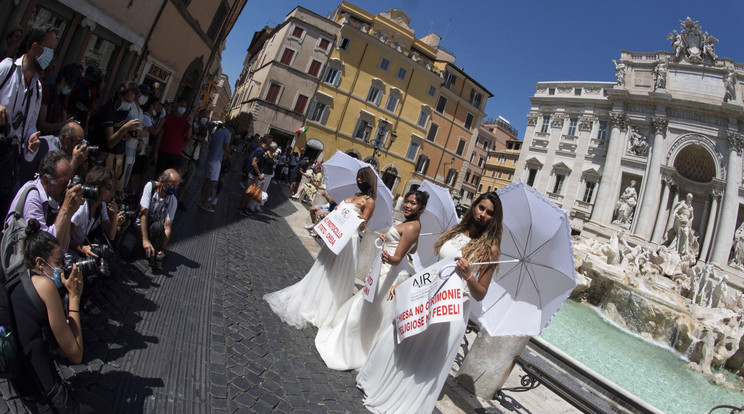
[(169, 191), (181, 110), (45, 58), (57, 279), (65, 90)]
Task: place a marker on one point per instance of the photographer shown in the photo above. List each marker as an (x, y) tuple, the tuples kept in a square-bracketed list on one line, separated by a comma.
[(39, 385), (153, 228), (20, 100), (70, 141), (97, 209), (49, 191)]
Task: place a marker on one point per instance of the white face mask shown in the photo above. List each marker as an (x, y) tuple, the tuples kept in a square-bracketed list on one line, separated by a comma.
[(124, 106), (142, 100), (203, 121), (45, 58)]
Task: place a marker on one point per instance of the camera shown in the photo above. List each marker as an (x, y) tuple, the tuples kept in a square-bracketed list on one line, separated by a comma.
[(7, 141), (87, 265), (89, 192), (93, 150), (130, 213)]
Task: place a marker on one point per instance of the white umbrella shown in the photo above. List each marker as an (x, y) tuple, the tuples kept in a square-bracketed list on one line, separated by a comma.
[(340, 174), (525, 295), (439, 215)]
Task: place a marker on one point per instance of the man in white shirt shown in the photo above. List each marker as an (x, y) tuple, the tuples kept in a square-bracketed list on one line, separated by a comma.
[(20, 100)]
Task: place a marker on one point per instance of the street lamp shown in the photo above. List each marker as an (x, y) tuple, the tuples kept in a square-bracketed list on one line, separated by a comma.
[(379, 142)]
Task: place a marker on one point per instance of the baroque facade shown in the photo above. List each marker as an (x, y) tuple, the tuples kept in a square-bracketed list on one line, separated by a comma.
[(656, 153)]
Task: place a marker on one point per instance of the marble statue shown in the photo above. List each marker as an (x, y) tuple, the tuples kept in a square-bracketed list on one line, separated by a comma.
[(737, 257), (660, 74), (638, 143), (709, 46), (730, 83), (678, 45), (620, 70), (683, 214), (625, 206), (692, 43)]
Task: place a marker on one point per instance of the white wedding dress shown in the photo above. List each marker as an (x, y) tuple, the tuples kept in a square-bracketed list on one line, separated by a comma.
[(345, 343), (327, 285), (408, 377)]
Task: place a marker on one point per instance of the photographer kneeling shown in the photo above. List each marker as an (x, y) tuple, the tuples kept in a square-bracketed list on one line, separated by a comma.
[(39, 385), (97, 210), (153, 227)]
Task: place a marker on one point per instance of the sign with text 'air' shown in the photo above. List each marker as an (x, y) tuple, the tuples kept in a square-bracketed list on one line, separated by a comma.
[(427, 298), (337, 227)]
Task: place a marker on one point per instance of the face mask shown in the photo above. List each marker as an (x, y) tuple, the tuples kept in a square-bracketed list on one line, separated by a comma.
[(478, 225), (203, 121), (65, 90), (45, 58), (363, 187), (181, 110), (169, 191), (57, 279), (142, 100), (124, 106)]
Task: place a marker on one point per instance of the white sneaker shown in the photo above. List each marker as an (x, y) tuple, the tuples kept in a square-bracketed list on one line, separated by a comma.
[(309, 226), (214, 201)]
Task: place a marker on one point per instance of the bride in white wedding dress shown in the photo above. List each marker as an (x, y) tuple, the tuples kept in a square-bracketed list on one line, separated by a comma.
[(345, 342), (408, 377), (330, 282)]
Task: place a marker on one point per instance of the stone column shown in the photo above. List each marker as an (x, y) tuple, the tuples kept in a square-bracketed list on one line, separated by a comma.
[(670, 220), (606, 193), (489, 362), (649, 204), (661, 215), (711, 225), (730, 204)]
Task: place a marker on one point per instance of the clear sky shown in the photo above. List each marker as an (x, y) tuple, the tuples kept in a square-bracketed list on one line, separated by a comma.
[(509, 46)]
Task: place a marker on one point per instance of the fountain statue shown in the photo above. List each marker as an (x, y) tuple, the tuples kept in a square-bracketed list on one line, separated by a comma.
[(737, 257), (625, 206)]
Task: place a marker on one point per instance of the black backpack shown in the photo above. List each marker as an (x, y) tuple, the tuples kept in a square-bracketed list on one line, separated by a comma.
[(13, 273)]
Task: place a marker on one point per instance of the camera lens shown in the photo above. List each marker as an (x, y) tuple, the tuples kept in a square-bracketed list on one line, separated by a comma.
[(90, 192)]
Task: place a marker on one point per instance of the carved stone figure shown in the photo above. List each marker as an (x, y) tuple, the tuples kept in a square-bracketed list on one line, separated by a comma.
[(718, 295), (709, 46), (620, 70), (692, 43), (683, 215), (638, 143), (625, 206), (678, 45), (737, 257), (660, 74), (730, 83)]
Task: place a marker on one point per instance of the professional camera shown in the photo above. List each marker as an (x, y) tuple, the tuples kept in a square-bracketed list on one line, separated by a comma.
[(93, 150), (87, 265), (102, 251), (89, 192), (130, 212), (7, 141)]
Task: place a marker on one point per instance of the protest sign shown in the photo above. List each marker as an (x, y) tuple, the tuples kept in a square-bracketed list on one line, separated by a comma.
[(428, 298), (370, 282), (337, 227)]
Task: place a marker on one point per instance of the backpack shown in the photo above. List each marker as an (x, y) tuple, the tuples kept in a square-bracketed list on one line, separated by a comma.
[(12, 274), (248, 166)]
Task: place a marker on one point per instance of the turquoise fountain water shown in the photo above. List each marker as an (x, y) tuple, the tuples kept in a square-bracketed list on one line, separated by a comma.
[(655, 374)]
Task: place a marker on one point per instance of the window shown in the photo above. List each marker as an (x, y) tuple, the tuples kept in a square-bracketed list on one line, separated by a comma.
[(314, 68), (467, 175), (319, 112), (381, 134), (451, 176), (412, 150), (577, 92), (432, 91), (545, 124), (344, 43), (433, 129), (602, 132), (461, 146), (449, 80), (475, 98), (551, 91), (374, 95), (287, 56), (384, 64), (531, 177), (480, 162), (572, 123), (301, 104), (273, 93), (558, 186), (323, 44), (332, 76), (486, 144), (363, 129), (402, 72), (589, 191), (298, 32), (422, 165), (423, 119), (489, 189), (441, 104), (469, 121), (392, 103)]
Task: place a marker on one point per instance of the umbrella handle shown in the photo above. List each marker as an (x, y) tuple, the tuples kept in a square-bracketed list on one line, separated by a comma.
[(429, 234), (443, 276), (380, 240), (497, 262)]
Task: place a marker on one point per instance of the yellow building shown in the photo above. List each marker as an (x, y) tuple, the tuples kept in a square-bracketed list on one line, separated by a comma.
[(502, 159), (376, 95)]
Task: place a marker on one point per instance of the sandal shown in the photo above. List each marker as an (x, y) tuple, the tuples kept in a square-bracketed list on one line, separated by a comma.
[(91, 309)]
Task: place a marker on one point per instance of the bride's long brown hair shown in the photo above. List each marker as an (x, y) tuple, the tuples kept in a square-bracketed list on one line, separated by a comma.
[(479, 249)]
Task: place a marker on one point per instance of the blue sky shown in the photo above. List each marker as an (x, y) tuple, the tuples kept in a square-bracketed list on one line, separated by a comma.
[(509, 46)]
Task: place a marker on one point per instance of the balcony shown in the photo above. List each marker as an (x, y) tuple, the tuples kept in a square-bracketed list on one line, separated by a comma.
[(539, 144), (583, 208)]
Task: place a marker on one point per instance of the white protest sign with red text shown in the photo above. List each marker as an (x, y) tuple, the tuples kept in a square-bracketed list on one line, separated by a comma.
[(427, 298), (337, 227), (370, 282)]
